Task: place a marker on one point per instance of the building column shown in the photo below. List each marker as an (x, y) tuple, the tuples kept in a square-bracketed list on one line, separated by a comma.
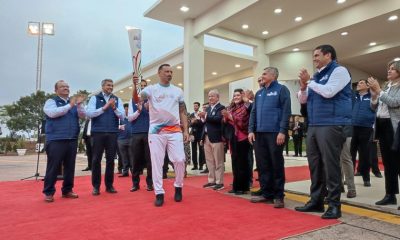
[(262, 62), (193, 66)]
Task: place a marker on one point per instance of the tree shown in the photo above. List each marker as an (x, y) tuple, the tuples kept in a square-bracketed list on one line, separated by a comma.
[(25, 114)]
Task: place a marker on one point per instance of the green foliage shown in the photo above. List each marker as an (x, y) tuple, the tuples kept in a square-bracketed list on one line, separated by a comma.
[(24, 114)]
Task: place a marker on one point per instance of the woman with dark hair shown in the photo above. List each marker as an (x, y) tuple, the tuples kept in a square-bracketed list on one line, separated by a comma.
[(238, 115), (386, 101)]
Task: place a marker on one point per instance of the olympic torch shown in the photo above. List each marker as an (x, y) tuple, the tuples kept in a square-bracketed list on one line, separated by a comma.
[(135, 42)]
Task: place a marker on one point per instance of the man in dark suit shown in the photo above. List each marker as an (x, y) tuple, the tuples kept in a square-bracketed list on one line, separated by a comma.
[(297, 134), (213, 144), (88, 144), (196, 130)]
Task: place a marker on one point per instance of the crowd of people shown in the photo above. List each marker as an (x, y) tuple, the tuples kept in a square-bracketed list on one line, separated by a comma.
[(152, 130)]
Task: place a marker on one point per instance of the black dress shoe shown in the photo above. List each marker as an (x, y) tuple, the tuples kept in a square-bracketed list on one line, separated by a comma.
[(111, 190), (311, 207), (124, 175), (96, 192), (194, 168), (149, 188), (367, 184), (240, 192), (232, 191), (135, 188), (159, 200), (332, 213), (178, 194), (86, 169), (205, 171), (389, 199), (256, 193), (378, 174)]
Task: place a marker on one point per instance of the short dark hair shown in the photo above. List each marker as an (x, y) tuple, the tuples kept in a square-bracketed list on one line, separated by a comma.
[(163, 65), (197, 103), (239, 90), (126, 105), (206, 103), (106, 80), (363, 80), (325, 49)]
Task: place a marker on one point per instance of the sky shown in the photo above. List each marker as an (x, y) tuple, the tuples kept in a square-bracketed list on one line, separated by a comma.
[(90, 43)]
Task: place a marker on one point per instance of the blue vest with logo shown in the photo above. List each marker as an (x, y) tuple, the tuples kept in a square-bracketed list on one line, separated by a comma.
[(363, 115), (108, 121), (142, 123), (268, 108), (329, 111), (64, 127)]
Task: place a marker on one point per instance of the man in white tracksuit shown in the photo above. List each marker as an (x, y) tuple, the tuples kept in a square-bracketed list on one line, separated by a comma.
[(167, 112)]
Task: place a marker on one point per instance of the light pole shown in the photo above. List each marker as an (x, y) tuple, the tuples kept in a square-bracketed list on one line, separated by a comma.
[(39, 29)]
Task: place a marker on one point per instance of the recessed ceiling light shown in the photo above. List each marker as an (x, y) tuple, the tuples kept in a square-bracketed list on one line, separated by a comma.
[(121, 91), (393, 18), (340, 1), (278, 10), (265, 32), (184, 9), (214, 73), (237, 65), (372, 44), (148, 80), (298, 19), (295, 49), (130, 87), (180, 84), (344, 33), (397, 59), (245, 26), (179, 67)]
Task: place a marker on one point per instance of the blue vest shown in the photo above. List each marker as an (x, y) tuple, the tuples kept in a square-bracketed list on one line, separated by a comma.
[(363, 115), (268, 108), (126, 134), (64, 127), (108, 121), (142, 123), (329, 111)]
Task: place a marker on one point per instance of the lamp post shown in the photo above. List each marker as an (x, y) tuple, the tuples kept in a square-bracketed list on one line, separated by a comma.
[(39, 29)]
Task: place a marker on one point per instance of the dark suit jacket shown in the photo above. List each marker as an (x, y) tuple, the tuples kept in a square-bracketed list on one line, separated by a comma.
[(300, 130), (196, 128), (214, 123), (84, 133)]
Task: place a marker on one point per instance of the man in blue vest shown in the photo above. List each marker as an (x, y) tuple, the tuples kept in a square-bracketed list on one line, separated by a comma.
[(62, 130), (268, 125), (105, 110), (363, 120), (124, 145), (138, 116), (328, 96)]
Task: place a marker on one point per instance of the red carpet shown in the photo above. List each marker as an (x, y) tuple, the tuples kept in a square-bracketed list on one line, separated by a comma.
[(203, 214)]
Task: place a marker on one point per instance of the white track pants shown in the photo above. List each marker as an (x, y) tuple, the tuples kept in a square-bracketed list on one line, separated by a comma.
[(173, 143)]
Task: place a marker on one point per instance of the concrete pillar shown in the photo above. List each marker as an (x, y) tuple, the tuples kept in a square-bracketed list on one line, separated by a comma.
[(262, 62), (193, 66)]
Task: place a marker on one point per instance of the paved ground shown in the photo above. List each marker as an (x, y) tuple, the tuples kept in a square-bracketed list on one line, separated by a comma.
[(361, 220)]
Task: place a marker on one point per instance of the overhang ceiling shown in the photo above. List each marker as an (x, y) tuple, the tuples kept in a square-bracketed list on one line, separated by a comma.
[(215, 60), (323, 20)]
